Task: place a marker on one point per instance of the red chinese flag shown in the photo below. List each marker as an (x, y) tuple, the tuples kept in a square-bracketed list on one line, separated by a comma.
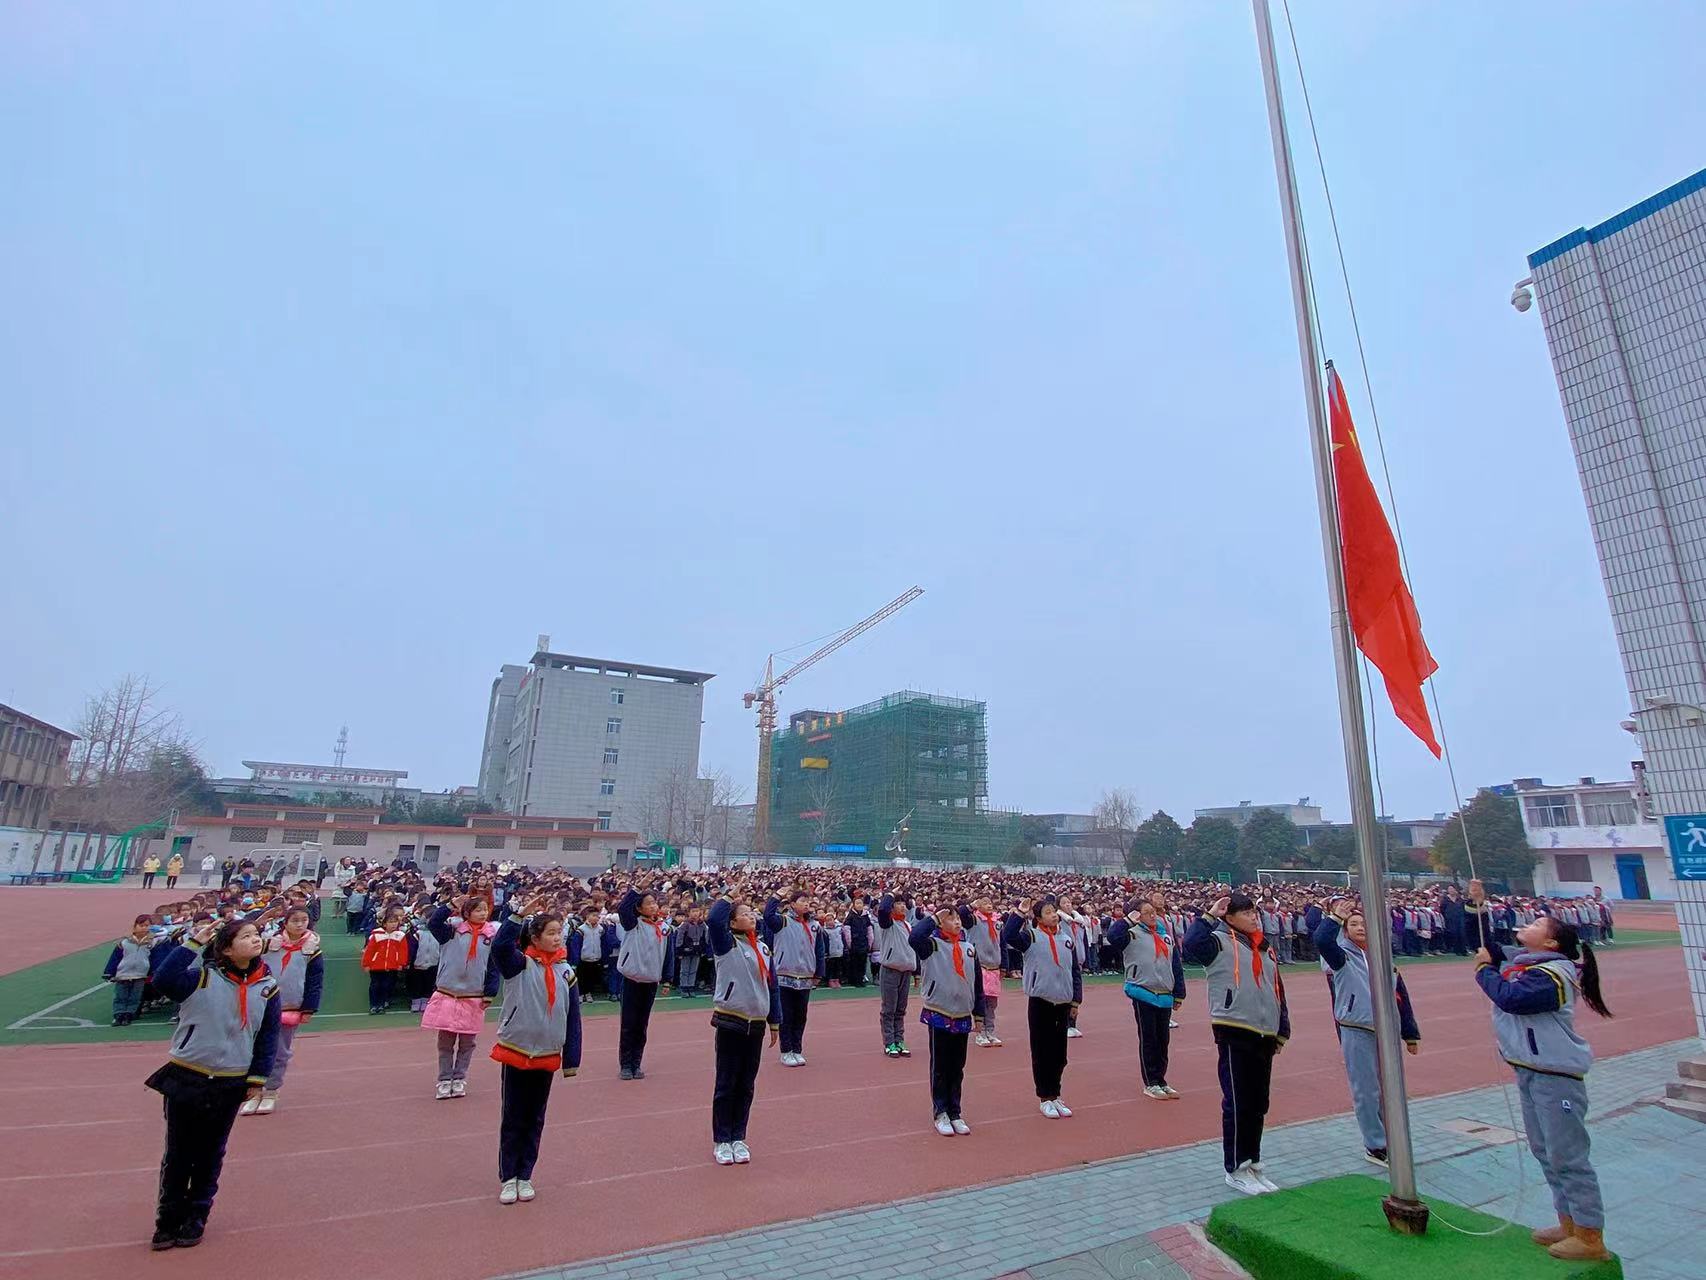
[(1383, 613)]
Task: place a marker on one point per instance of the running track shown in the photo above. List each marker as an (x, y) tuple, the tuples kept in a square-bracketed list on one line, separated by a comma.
[(361, 1171)]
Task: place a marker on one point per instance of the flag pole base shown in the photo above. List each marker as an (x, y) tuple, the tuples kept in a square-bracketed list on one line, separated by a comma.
[(1406, 1217)]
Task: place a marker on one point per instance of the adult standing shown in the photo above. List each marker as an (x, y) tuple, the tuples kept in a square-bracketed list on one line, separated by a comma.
[(150, 869), (208, 866), (227, 869), (174, 869)]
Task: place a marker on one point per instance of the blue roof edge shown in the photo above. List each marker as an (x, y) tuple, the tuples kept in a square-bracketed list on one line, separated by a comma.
[(1651, 205)]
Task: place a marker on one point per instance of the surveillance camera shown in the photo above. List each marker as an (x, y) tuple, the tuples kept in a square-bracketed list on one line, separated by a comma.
[(1522, 297)]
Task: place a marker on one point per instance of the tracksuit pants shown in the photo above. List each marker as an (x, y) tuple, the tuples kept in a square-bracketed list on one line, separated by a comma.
[(282, 1055), (1153, 1039), (525, 1096), (1362, 1069), (381, 985), (796, 1003), (947, 1071), (1048, 1022), (740, 1050), (637, 1001), (127, 998), (1555, 1115), (1246, 1070), (854, 965), (893, 985), (455, 1052), (198, 1125)]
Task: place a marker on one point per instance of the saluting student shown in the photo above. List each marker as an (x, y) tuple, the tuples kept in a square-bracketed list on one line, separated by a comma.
[(293, 956), (540, 1034), (797, 942), (1534, 995), (221, 1054), (1246, 1007), (1342, 940), (897, 962), (983, 927), (643, 959), (1054, 984), (953, 1002), (127, 969), (746, 999), (467, 982), (1155, 983)]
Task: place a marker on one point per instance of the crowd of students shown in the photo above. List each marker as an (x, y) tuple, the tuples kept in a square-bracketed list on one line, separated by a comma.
[(246, 973)]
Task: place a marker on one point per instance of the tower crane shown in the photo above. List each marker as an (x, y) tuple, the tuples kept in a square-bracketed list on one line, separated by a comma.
[(764, 698)]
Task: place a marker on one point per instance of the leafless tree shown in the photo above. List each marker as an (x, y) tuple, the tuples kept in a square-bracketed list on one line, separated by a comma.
[(821, 792), (723, 798), (120, 728), (1116, 816)]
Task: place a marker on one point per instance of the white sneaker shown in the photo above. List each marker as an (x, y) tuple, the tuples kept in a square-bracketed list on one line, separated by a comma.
[(981, 1040), (511, 1190), (799, 1059), (269, 1101), (1073, 1033), (1171, 1092), (960, 1127), (249, 1107), (523, 1190), (1172, 1026), (1241, 1179), (1155, 1091), (944, 1126), (723, 1153), (1268, 1184), (1060, 1106), (743, 1153), (443, 1091), (1051, 1110), (994, 1042), (458, 1088)]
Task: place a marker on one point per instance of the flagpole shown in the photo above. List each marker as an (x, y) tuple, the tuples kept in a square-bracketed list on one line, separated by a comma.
[(1404, 1211)]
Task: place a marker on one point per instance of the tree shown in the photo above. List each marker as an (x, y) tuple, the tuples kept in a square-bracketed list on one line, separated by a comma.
[(1269, 839), (1331, 849), (1115, 816), (1208, 851), (121, 726), (825, 813), (445, 811), (1155, 845), (724, 822), (1502, 851)]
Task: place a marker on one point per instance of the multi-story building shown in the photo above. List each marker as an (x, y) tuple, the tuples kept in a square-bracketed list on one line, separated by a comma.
[(33, 756), (313, 781), (1593, 835), (500, 716), (1624, 305), (1302, 813), (617, 740)]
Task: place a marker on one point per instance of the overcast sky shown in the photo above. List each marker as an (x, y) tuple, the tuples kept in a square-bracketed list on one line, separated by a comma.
[(346, 348)]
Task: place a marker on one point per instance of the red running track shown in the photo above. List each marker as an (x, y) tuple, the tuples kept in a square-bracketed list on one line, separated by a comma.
[(44, 922), (361, 1171)]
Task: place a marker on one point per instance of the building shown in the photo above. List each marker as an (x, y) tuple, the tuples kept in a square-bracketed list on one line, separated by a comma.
[(1593, 834), (34, 756), (1302, 813), (258, 831), (588, 735), (500, 716), (311, 781), (842, 780), (1624, 305)]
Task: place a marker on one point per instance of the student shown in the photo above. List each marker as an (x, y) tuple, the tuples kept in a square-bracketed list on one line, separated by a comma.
[(221, 1054), (642, 960), (1155, 983), (1534, 995), (423, 957), (747, 998), (897, 963), (1342, 940), (589, 972), (539, 1035), (953, 1001), (385, 956), (690, 951), (127, 969), (858, 956), (355, 905), (797, 942), (1073, 923), (983, 927), (835, 943), (1246, 1007), (1053, 974), (293, 957), (464, 989)]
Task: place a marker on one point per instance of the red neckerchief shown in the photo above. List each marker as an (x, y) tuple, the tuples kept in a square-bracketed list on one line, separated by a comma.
[(1254, 938), (475, 933), (763, 969), (288, 948), (953, 941), (548, 961), (1160, 943), (1053, 950), (243, 981), (656, 927), (989, 923)]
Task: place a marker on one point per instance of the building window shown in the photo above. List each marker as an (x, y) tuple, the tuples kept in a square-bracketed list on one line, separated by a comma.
[(534, 842), (247, 835), (616, 697), (1610, 811), (489, 840), (1551, 811), (613, 725), (610, 755), (305, 815), (349, 837), (607, 786), (300, 835), (576, 844), (604, 819), (1573, 868)]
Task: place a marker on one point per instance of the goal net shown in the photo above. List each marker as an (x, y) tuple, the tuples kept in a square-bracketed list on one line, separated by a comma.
[(1266, 876)]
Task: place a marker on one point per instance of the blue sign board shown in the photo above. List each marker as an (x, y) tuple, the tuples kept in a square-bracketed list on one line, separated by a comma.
[(840, 848), (1685, 833)]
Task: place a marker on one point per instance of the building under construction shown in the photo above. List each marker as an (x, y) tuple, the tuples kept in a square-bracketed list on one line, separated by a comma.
[(841, 780)]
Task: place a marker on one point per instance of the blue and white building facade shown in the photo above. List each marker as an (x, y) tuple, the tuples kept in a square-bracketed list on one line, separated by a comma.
[(1624, 305)]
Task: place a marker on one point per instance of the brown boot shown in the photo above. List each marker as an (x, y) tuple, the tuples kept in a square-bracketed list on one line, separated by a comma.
[(1551, 1235), (1587, 1245)]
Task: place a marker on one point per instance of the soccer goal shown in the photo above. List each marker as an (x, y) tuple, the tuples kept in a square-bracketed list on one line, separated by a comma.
[(1266, 876)]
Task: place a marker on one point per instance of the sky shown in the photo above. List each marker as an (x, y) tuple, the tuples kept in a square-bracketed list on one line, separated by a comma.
[(348, 348)]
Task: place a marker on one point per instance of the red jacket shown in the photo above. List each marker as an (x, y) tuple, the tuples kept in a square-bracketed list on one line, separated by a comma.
[(385, 951)]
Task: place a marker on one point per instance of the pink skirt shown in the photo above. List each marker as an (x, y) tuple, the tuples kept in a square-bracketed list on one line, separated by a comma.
[(991, 983), (460, 1014)]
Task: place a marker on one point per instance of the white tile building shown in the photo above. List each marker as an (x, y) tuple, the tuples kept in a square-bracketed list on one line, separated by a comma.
[(618, 740), (1593, 834), (1624, 304)]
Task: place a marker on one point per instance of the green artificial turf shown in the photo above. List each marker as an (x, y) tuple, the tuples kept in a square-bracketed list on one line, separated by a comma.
[(1335, 1229)]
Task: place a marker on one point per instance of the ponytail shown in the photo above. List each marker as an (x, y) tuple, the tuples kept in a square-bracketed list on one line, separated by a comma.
[(1576, 948)]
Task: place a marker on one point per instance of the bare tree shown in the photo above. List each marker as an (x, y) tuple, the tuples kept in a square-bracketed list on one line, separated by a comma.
[(120, 728), (821, 792), (723, 797), (1116, 816)]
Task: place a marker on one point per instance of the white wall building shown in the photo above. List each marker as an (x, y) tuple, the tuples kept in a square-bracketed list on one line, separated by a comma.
[(588, 735), (1593, 834), (1624, 305)]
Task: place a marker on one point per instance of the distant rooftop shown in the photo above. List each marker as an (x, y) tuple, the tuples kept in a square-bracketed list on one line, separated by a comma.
[(1628, 218), (608, 667), (40, 724), (275, 771)]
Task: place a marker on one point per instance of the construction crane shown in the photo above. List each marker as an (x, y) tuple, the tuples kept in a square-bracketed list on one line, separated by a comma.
[(764, 698)]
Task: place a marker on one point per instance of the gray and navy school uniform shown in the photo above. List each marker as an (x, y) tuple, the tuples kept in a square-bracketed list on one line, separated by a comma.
[(646, 945), (130, 960), (953, 997), (1534, 995), (1054, 973), (227, 1022), (746, 971), (1153, 974), (897, 963), (1353, 1011), (1238, 996), (533, 1025), (426, 947), (459, 974), (799, 946), (301, 976)]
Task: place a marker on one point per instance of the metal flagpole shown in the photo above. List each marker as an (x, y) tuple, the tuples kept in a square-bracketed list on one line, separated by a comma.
[(1403, 1210)]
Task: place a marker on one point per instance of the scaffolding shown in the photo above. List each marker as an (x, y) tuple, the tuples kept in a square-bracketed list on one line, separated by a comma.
[(840, 781)]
